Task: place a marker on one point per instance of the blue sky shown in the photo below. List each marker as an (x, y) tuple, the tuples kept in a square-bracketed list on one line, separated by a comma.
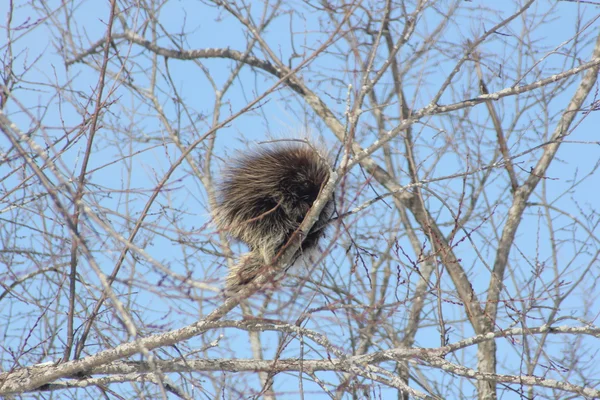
[(185, 198)]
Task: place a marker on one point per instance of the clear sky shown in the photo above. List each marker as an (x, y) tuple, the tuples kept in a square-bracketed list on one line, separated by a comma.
[(37, 56)]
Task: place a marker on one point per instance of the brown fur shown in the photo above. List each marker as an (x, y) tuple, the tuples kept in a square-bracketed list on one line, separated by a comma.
[(264, 197)]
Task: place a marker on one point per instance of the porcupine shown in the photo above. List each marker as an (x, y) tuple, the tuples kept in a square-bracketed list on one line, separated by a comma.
[(262, 200)]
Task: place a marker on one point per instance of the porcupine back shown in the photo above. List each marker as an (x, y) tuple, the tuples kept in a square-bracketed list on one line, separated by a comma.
[(264, 197)]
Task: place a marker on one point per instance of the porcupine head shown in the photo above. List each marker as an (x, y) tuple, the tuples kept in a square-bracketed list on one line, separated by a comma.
[(263, 198)]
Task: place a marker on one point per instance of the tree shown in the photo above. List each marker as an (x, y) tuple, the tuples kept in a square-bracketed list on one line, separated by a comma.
[(462, 261)]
